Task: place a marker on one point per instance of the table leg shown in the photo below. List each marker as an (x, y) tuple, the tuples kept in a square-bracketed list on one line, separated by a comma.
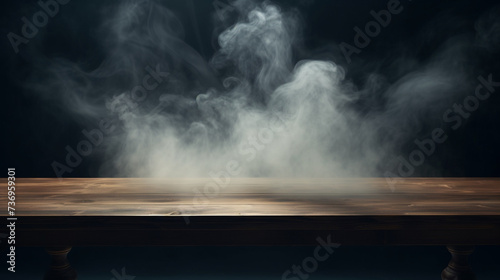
[(458, 268), (60, 268)]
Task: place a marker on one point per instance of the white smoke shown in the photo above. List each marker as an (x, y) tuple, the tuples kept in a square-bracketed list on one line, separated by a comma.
[(270, 116)]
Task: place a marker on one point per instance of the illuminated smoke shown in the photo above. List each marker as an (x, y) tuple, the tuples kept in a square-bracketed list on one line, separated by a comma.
[(253, 104)]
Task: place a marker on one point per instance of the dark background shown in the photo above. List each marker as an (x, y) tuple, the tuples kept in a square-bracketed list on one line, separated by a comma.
[(34, 135)]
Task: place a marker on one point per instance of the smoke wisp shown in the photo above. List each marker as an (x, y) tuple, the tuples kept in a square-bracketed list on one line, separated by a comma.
[(255, 106)]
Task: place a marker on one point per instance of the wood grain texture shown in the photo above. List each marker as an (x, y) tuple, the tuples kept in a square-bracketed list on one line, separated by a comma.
[(256, 196), (144, 212)]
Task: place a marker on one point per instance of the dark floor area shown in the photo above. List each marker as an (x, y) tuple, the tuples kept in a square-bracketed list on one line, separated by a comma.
[(346, 262)]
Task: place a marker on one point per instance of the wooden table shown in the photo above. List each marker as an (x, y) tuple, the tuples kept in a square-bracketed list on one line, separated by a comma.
[(457, 212)]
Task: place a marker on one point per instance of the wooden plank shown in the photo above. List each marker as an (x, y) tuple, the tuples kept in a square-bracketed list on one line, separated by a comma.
[(257, 230), (256, 196), (257, 211)]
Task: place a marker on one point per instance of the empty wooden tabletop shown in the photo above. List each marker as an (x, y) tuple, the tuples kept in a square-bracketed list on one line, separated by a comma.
[(256, 196), (255, 211)]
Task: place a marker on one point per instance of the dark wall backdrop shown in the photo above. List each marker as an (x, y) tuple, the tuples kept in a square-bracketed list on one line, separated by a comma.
[(35, 134)]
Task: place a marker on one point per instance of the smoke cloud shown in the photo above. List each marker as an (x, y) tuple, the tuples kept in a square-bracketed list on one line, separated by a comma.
[(256, 105)]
